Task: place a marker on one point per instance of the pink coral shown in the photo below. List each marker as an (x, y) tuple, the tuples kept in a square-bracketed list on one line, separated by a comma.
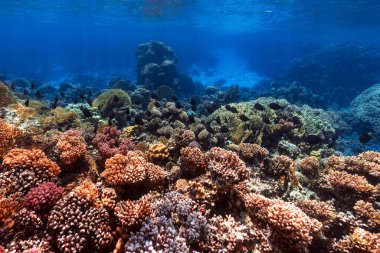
[(343, 181), (109, 143), (71, 147), (226, 166), (43, 197), (193, 161)]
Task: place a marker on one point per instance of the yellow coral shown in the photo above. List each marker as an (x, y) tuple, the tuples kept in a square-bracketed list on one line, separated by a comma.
[(8, 136), (158, 152), (60, 117)]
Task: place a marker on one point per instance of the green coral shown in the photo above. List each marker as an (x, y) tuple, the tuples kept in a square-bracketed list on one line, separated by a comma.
[(106, 101)]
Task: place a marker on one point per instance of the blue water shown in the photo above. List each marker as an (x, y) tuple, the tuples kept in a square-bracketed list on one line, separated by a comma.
[(240, 41)]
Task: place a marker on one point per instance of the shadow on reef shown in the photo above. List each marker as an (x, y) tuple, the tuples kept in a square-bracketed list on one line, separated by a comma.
[(135, 168)]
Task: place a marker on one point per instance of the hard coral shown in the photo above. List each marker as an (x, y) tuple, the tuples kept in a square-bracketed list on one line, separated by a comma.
[(23, 169), (193, 161), (77, 226), (6, 95), (359, 241), (366, 211), (291, 227), (8, 136), (226, 166), (309, 166), (60, 117), (71, 147), (158, 153), (108, 143), (106, 102), (9, 205), (27, 222), (343, 181), (132, 170), (43, 197), (252, 153)]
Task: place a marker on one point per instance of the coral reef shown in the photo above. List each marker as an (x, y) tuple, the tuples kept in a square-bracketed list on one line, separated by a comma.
[(71, 147), (43, 197)]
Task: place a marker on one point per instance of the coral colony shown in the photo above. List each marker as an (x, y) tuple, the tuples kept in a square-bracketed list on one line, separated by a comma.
[(162, 165)]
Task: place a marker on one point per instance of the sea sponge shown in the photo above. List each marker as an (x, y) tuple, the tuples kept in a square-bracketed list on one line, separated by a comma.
[(23, 169), (43, 197), (158, 153), (71, 147), (226, 166), (106, 101), (6, 95), (193, 161)]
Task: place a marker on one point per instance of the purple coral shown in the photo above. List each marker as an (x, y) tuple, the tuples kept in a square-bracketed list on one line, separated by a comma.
[(43, 197), (109, 143)]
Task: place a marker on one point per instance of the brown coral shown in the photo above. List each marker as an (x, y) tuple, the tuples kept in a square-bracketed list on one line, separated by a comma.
[(226, 166), (193, 161), (8, 136), (71, 147), (344, 181), (158, 153), (366, 211), (309, 166), (319, 210), (6, 95), (252, 153), (359, 241), (132, 170), (132, 213), (87, 191)]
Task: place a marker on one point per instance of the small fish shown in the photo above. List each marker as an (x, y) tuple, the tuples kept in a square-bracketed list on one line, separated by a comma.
[(366, 137), (178, 105), (76, 100), (218, 120), (32, 85), (26, 103), (55, 103), (38, 94), (296, 120), (209, 128), (191, 119), (224, 129), (129, 117), (174, 97), (148, 113), (89, 101), (96, 128), (115, 99), (44, 108), (13, 86), (139, 121), (90, 93), (231, 108), (111, 114), (153, 95), (275, 106), (313, 139), (137, 101), (157, 104), (25, 92), (259, 107), (243, 117), (86, 112), (193, 101), (81, 96), (62, 94)]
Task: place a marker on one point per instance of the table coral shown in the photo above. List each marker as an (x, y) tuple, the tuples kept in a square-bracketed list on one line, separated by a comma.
[(71, 147), (226, 166), (23, 169)]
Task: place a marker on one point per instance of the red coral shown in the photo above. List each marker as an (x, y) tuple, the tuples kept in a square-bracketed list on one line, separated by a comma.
[(71, 147), (193, 161), (108, 143), (43, 197), (226, 166)]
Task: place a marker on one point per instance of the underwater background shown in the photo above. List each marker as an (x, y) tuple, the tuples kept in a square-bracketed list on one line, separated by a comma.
[(190, 126)]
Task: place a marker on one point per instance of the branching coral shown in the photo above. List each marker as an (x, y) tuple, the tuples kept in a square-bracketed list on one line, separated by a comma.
[(43, 197), (77, 226), (60, 117), (8, 136), (252, 153), (309, 166), (132, 213), (193, 161), (226, 166), (319, 210), (366, 211), (132, 170), (290, 226), (71, 147), (24, 169), (6, 95), (27, 222), (9, 205), (108, 143), (359, 241), (343, 181)]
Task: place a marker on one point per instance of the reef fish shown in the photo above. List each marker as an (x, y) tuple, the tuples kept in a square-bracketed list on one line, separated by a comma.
[(275, 106), (243, 117), (26, 103), (366, 137), (313, 139), (231, 108), (259, 107), (86, 112)]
